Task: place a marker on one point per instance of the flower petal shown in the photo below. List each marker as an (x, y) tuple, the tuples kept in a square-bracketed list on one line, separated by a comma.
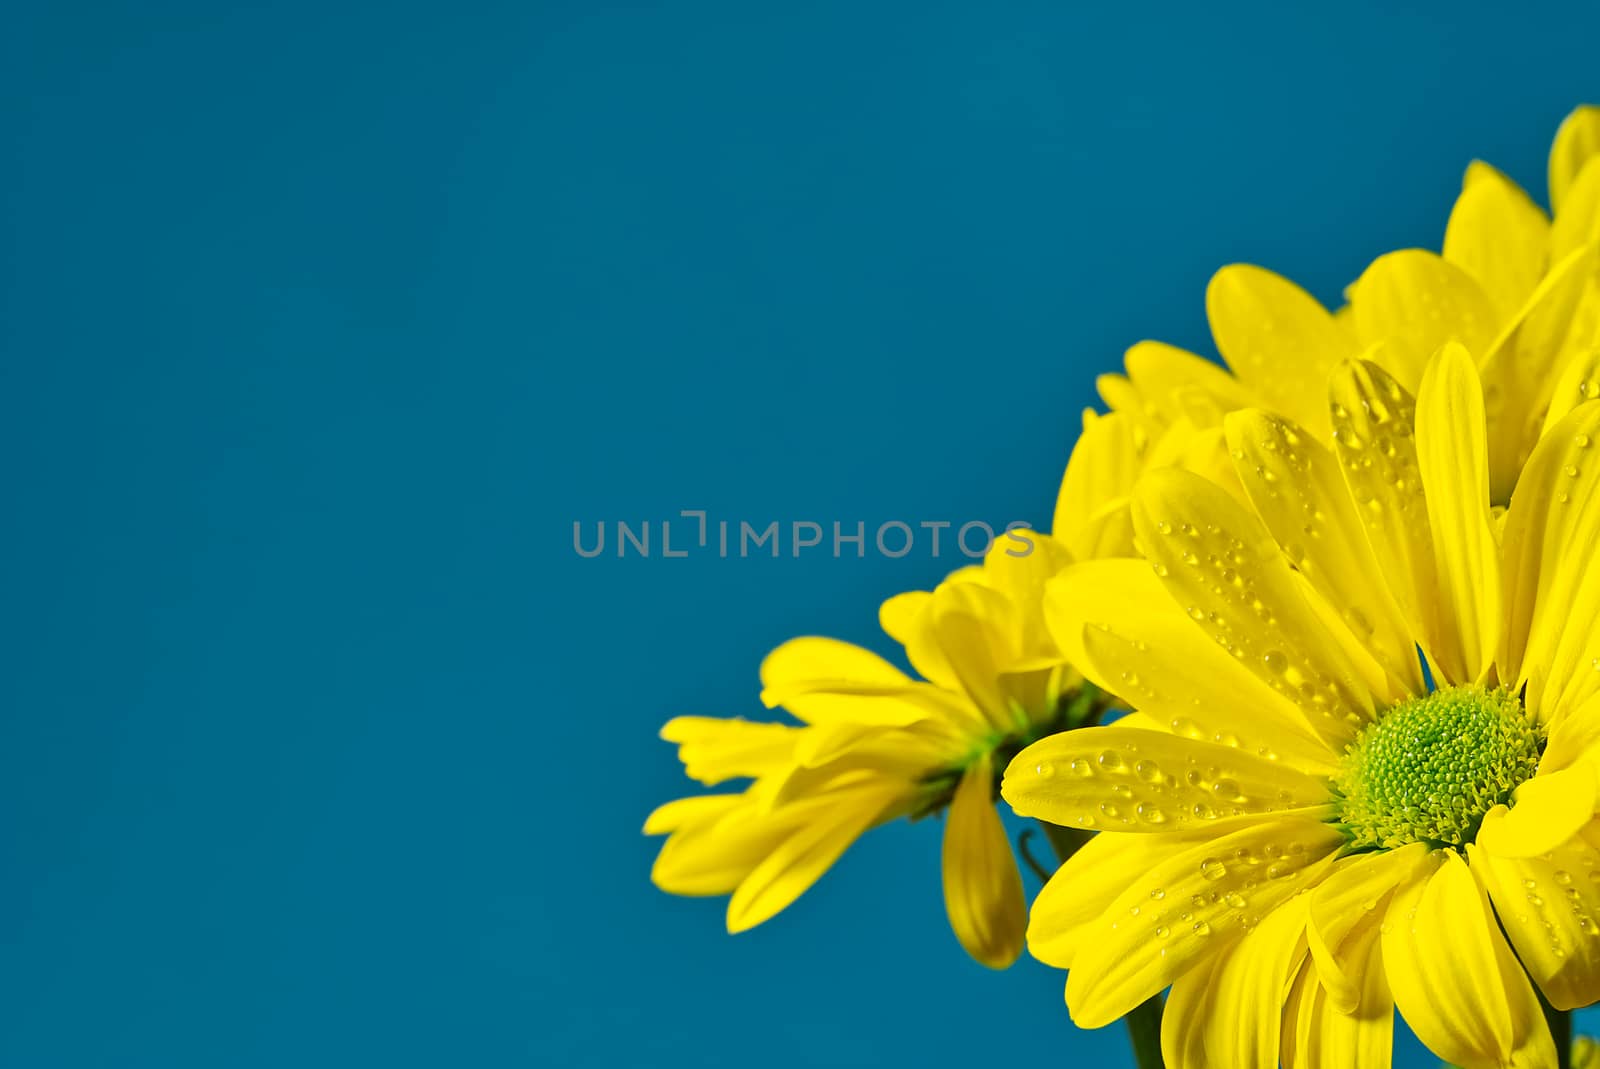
[(1576, 143), (1578, 382), (1295, 486), (1243, 1025), (1550, 907), (900, 615), (1573, 738), (1326, 1037), (1104, 464), (1420, 300), (1277, 339), (1225, 570), (1345, 910), (1191, 384), (1373, 434), (1066, 909), (714, 750), (1183, 1021), (982, 887), (1193, 904), (1555, 324), (1499, 237), (1552, 590), (1122, 779), (681, 812), (978, 634), (1453, 459), (1545, 812), (792, 867), (1113, 619), (1577, 223), (1454, 978)]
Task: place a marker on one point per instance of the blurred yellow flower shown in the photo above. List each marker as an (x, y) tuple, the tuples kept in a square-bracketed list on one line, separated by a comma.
[(873, 744)]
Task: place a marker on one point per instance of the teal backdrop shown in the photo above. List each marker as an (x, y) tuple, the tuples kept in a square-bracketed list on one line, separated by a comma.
[(321, 325)]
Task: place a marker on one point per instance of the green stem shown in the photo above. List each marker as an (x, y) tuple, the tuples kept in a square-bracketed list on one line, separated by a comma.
[(1560, 1022), (1144, 1022), (1065, 841), (1144, 1032)]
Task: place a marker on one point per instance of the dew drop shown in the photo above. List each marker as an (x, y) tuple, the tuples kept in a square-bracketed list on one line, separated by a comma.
[(1150, 814)]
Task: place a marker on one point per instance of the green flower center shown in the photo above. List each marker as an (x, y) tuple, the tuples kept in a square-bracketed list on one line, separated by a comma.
[(1430, 768)]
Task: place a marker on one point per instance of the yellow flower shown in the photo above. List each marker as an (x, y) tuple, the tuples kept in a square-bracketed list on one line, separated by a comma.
[(874, 744), (1304, 826), (1519, 291)]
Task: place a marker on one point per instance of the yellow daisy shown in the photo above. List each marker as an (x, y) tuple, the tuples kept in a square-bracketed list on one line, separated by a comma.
[(873, 744), (1305, 826)]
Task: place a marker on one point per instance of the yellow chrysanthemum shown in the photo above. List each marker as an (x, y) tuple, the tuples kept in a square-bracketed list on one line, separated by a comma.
[(1304, 826), (874, 744), (1517, 289)]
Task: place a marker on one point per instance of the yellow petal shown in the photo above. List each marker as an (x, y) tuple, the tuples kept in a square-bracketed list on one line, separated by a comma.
[(1083, 888), (1121, 779), (1550, 907), (1108, 532), (978, 634), (1326, 1037), (1020, 575), (1422, 301), (982, 888), (1454, 978), (1118, 393), (1551, 586), (1578, 382), (1115, 621), (712, 853), (1190, 905), (824, 681), (1577, 222), (811, 663), (1575, 737), (1520, 372), (1453, 460), (1277, 339), (1246, 999), (1295, 486), (1227, 573), (900, 616), (1374, 437), (684, 811), (797, 863), (1576, 143), (1104, 464), (1183, 1021), (1499, 237), (1345, 912), (715, 750), (1191, 383), (1545, 812)]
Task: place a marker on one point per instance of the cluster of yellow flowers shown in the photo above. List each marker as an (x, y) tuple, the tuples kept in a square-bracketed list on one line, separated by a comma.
[(1344, 590)]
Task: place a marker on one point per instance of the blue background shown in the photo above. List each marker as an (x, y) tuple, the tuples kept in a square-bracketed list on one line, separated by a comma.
[(320, 327)]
